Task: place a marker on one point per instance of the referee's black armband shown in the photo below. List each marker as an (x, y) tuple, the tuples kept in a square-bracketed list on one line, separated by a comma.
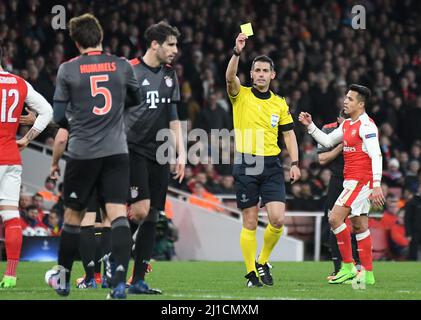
[(287, 127)]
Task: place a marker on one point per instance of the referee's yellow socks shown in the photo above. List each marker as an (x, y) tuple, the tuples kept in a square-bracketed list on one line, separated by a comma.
[(270, 239), (248, 245)]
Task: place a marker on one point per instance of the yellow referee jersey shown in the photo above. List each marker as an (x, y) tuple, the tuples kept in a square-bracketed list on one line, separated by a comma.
[(256, 120)]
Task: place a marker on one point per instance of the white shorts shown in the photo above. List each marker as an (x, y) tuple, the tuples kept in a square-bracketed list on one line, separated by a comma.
[(356, 196), (10, 180)]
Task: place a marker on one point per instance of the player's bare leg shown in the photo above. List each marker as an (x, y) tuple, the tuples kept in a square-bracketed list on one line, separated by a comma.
[(248, 244), (273, 231)]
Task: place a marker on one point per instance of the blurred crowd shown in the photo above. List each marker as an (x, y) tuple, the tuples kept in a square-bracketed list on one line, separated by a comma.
[(317, 56)]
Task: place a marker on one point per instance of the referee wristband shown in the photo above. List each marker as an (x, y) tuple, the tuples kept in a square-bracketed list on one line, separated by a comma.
[(235, 52), (294, 163)]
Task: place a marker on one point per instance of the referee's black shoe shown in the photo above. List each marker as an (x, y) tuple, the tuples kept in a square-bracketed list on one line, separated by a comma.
[(264, 273), (253, 280)]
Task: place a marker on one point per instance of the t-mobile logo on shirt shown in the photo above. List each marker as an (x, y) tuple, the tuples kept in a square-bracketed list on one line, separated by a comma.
[(152, 97)]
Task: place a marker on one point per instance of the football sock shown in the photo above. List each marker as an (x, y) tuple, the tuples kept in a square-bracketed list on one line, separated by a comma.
[(69, 246), (343, 237), (365, 250), (145, 241), (121, 243), (87, 250), (248, 245), (105, 242), (98, 250), (13, 243), (355, 254), (270, 239), (336, 254)]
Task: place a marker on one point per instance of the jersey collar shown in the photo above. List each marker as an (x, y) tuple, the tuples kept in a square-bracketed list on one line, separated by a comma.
[(93, 53), (153, 69), (362, 116), (261, 95)]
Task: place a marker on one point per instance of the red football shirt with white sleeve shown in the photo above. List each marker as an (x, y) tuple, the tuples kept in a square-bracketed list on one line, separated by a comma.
[(14, 92), (360, 139)]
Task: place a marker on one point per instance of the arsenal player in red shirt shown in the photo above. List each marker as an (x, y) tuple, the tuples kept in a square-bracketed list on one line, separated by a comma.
[(362, 178), (14, 92)]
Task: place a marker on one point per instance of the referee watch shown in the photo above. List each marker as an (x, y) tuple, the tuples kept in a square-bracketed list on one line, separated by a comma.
[(235, 52), (294, 163)]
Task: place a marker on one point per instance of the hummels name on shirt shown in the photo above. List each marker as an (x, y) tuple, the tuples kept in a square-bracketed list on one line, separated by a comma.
[(98, 67)]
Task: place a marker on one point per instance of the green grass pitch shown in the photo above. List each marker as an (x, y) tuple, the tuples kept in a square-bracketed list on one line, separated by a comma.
[(225, 281)]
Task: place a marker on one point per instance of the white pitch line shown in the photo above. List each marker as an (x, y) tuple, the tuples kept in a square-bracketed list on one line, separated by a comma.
[(209, 296)]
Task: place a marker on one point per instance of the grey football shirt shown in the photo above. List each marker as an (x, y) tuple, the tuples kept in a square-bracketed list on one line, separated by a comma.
[(160, 92), (94, 85)]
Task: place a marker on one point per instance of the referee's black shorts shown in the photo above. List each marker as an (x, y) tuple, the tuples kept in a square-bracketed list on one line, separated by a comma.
[(334, 190), (269, 184), (109, 175), (148, 180)]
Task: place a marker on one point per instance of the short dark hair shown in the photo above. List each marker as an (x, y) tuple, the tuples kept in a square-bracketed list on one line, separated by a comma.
[(49, 179), (31, 207), (160, 32), (86, 30), (364, 93), (37, 195), (263, 58)]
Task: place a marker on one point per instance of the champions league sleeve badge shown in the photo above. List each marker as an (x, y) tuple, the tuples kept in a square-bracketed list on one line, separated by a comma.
[(274, 120)]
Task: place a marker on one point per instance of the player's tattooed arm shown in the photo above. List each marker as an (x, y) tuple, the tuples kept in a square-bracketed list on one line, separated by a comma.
[(29, 136)]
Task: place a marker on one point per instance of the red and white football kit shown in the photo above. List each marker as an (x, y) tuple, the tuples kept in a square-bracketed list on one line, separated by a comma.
[(14, 92), (362, 157)]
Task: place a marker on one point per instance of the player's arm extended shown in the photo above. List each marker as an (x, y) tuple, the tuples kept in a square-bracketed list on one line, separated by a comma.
[(370, 137), (233, 82), (327, 140), (36, 102), (329, 156)]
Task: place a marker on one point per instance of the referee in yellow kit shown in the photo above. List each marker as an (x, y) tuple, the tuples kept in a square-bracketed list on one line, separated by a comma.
[(258, 116)]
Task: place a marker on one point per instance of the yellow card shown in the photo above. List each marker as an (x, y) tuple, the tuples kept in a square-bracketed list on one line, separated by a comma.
[(247, 29)]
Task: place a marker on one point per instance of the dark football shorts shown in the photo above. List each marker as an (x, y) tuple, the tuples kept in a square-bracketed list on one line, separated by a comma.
[(95, 204), (269, 184), (148, 180), (335, 188), (108, 175)]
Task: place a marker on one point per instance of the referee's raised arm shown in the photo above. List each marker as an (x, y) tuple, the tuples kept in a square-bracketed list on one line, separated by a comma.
[(233, 82)]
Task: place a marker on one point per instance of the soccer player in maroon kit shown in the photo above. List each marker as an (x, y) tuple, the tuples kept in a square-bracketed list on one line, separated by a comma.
[(14, 92), (362, 178)]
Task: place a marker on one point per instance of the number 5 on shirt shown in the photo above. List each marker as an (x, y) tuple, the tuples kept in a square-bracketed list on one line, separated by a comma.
[(95, 90)]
